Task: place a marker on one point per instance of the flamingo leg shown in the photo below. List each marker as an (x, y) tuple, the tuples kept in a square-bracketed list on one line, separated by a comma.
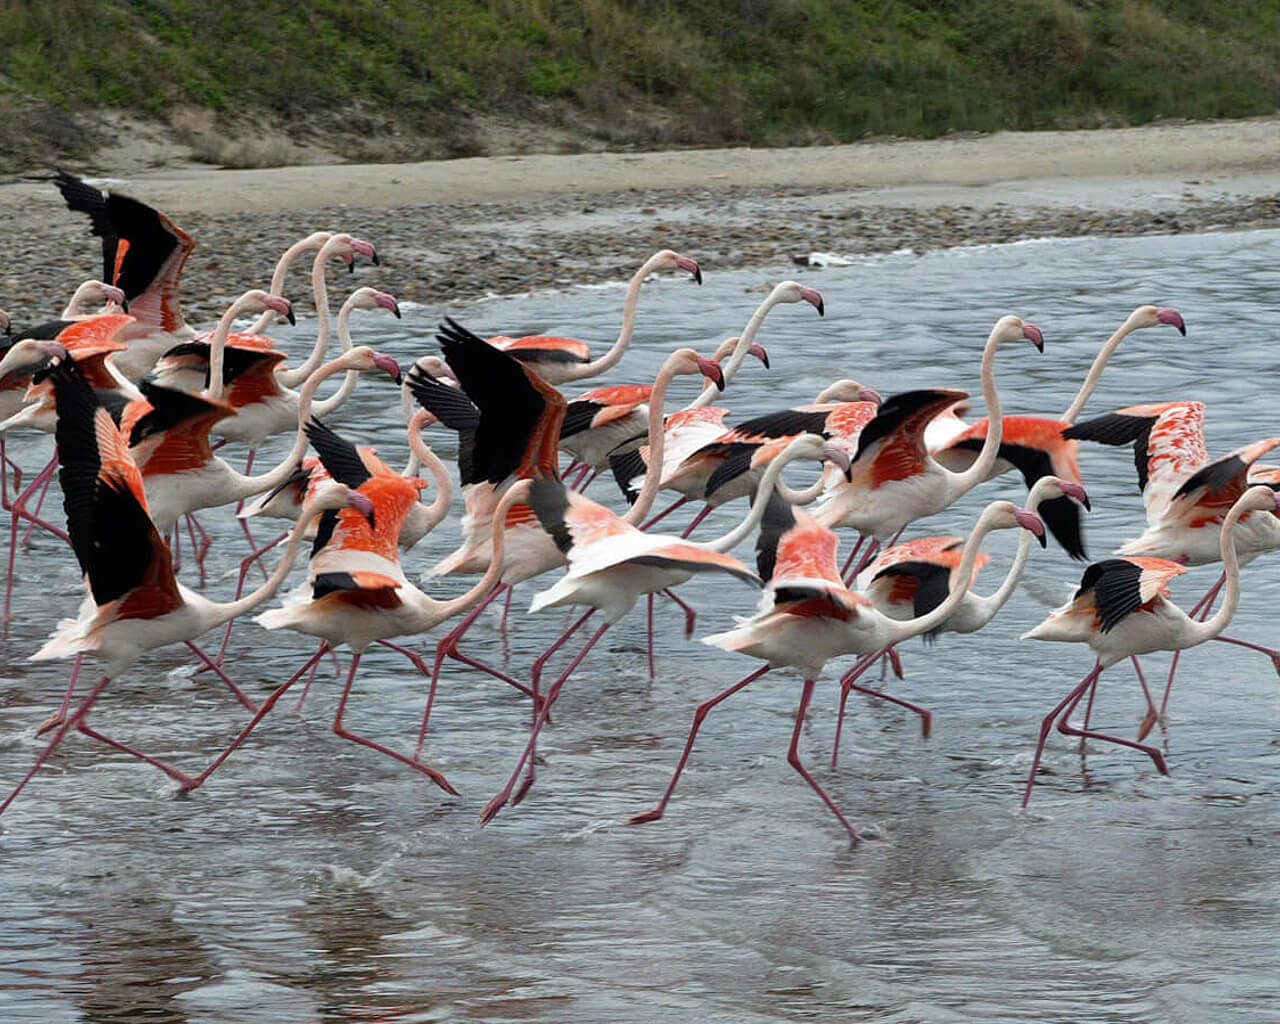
[(364, 741), (793, 758), (266, 706), (664, 513), (649, 633), (244, 523), (34, 516), (58, 737), (1269, 652), (1204, 606), (693, 525), (1067, 729), (18, 510), (698, 716), (1148, 720), (506, 611), (848, 683), (873, 549), (690, 613), (245, 564), (500, 800), (241, 696), (315, 664), (582, 485), (60, 716), (1047, 724), (414, 658), (180, 777), (848, 562)]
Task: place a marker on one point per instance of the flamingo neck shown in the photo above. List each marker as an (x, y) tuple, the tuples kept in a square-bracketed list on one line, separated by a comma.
[(423, 455), (739, 353), (1199, 632), (989, 606), (217, 343), (1095, 372), (962, 483), (519, 491), (313, 241), (320, 288), (657, 447), (730, 540), (615, 353), (336, 400), (232, 609), (897, 631)]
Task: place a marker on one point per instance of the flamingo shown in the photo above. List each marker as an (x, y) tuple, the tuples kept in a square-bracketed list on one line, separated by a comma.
[(911, 579), (134, 602), (893, 480), (1186, 496), (143, 253), (612, 563), (94, 293), (1035, 445), (615, 420), (357, 593), (808, 616), (560, 360), (1123, 609)]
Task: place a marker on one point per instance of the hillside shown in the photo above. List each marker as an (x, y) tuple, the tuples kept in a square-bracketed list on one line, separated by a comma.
[(254, 82)]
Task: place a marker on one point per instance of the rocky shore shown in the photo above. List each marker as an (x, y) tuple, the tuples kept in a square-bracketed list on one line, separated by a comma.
[(535, 230)]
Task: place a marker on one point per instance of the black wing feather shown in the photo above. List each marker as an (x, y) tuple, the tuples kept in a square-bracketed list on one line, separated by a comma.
[(81, 197), (896, 410), (455, 410), (734, 464), (1115, 583), (169, 407), (779, 517), (549, 499), (150, 243), (337, 455), (1118, 429), (626, 467)]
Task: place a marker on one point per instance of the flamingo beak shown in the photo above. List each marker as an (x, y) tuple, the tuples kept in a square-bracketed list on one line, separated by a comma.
[(387, 365), (838, 456), (1031, 521), (282, 306), (691, 266), (712, 371), (387, 301), (870, 395), (1033, 333), (114, 295), (814, 298), (365, 249), (1170, 316), (1074, 490), (350, 260), (759, 352)]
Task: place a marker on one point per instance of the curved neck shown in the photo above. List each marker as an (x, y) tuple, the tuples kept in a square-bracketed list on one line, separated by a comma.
[(1207, 630), (730, 540), (519, 491), (992, 604), (75, 307), (292, 378), (908, 628), (313, 241), (349, 382), (657, 447), (423, 455), (217, 343), (975, 474), (1095, 372), (231, 609), (610, 359), (277, 476), (730, 369), (805, 496)]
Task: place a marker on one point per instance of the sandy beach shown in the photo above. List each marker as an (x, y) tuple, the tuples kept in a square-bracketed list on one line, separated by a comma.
[(462, 229)]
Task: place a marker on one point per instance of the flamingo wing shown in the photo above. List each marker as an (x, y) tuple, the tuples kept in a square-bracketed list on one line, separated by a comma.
[(1209, 492), (603, 405), (117, 545), (545, 348), (892, 444), (150, 266), (1168, 439), (172, 432), (1120, 586), (81, 197), (452, 407)]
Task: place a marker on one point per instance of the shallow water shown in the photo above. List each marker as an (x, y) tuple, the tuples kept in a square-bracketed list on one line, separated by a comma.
[(313, 880)]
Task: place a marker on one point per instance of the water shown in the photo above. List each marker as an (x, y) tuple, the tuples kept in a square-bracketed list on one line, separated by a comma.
[(312, 880)]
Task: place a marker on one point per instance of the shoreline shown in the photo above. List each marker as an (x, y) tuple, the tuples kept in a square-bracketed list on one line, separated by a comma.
[(460, 230)]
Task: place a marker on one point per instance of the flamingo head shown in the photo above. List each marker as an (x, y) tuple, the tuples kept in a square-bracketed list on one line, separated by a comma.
[(1260, 498), (794, 291), (710, 369), (846, 390), (366, 249), (256, 301), (1153, 316), (1032, 523), (669, 259), (28, 357), (839, 456), (329, 494), (1074, 490), (371, 298), (1011, 328)]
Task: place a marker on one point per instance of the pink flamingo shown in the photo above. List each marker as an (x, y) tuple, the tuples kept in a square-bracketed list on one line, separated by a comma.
[(1123, 609), (134, 602), (809, 616)]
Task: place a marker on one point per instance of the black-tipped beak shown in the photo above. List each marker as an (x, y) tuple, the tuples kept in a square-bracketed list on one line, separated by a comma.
[(697, 277), (124, 308), (376, 262), (293, 320), (1087, 506), (1043, 539), (351, 266)]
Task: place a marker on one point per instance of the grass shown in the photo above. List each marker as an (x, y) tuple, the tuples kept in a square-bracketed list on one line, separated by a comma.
[(718, 71)]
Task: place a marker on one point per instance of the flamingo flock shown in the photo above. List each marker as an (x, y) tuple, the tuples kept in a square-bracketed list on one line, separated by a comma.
[(139, 402)]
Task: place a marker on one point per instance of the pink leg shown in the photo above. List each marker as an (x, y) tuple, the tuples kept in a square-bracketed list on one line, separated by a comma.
[(868, 555), (1046, 725), (849, 683), (244, 523), (314, 663), (698, 716), (414, 658), (649, 632), (664, 513), (793, 758), (60, 716), (1067, 729), (18, 511), (1204, 606), (175, 548), (690, 613), (180, 777), (35, 514), (267, 705), (245, 564), (848, 562), (58, 737), (497, 803), (1269, 652), (346, 734), (706, 511), (1148, 720), (582, 485), (506, 610), (241, 696), (206, 542)]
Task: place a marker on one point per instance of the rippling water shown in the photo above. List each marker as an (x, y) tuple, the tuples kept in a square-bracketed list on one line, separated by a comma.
[(312, 880)]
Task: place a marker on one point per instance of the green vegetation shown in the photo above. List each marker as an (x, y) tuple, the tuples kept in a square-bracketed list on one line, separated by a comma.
[(653, 71)]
